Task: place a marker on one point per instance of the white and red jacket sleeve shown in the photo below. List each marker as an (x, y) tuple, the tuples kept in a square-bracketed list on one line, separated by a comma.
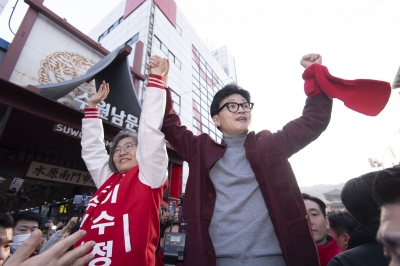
[(151, 152)]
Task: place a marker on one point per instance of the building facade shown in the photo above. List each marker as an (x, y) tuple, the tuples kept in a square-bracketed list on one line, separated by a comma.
[(196, 73), (40, 157)]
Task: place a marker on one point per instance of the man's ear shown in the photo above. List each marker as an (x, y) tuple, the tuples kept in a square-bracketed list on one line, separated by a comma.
[(327, 222), (345, 238), (216, 120)]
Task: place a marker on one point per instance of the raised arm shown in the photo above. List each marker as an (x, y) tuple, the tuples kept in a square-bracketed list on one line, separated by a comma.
[(94, 152), (316, 116), (181, 139), (151, 152)]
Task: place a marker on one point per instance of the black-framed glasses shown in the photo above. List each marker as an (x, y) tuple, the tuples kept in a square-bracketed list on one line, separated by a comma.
[(127, 147), (234, 107)]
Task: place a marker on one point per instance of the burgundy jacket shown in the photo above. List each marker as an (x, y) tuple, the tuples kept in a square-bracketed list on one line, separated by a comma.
[(268, 155)]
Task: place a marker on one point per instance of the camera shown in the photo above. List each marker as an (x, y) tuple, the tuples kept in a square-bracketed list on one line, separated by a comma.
[(80, 202), (175, 246)]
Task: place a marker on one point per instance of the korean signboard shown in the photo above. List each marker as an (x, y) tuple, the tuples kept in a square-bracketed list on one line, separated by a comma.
[(55, 173)]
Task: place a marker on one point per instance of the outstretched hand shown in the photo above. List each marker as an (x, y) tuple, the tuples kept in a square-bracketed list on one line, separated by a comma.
[(310, 59), (56, 255), (100, 95)]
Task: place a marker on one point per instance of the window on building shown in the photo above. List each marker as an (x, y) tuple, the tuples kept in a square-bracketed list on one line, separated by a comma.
[(157, 42), (203, 61), (209, 85), (178, 29), (171, 57), (195, 121), (177, 63), (176, 98), (110, 28), (132, 40), (196, 114), (196, 98), (164, 49), (113, 26)]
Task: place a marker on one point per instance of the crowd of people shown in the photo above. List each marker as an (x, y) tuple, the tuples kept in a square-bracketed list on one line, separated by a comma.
[(242, 202)]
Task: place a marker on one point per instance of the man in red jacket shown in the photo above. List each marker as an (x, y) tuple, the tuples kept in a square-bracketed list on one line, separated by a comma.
[(242, 202), (326, 244)]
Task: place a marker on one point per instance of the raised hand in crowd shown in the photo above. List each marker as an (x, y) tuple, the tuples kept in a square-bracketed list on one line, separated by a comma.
[(59, 225), (310, 59), (69, 225), (59, 235), (50, 233), (49, 224), (166, 216), (56, 255), (159, 66), (100, 95)]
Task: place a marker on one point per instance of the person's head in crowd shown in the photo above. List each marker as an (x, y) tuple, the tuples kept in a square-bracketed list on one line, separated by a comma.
[(358, 201), (167, 228), (386, 192), (341, 226), (319, 222), (25, 223), (6, 236), (123, 151), (231, 110)]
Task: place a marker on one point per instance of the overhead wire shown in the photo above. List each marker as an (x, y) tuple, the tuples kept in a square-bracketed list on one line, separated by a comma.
[(9, 21)]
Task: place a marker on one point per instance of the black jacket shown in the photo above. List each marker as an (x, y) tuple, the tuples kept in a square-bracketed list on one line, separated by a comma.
[(363, 249)]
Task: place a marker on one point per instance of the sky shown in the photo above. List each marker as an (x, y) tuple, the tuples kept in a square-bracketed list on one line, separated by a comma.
[(358, 39)]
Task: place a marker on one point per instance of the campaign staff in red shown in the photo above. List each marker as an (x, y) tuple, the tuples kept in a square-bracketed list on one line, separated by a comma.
[(122, 216)]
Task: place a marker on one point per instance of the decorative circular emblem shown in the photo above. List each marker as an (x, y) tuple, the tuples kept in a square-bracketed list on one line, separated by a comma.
[(62, 66)]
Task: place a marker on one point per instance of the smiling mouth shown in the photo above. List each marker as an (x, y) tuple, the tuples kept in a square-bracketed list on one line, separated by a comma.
[(123, 160), (241, 119)]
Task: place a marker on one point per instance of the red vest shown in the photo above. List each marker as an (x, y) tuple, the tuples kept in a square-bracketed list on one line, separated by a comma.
[(122, 217)]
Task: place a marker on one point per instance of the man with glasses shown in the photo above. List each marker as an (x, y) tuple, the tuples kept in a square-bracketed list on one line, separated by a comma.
[(242, 202)]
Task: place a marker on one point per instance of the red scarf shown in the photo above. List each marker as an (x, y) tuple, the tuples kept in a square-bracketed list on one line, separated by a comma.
[(123, 218)]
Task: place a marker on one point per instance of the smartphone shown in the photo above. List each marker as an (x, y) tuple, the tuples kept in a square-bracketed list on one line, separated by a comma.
[(54, 227)]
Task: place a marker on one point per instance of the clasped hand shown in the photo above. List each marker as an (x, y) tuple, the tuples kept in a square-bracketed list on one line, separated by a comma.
[(309, 59)]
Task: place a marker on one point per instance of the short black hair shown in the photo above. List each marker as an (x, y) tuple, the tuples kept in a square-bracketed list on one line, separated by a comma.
[(6, 221), (320, 203), (227, 90), (386, 189), (125, 133), (358, 200), (27, 216), (342, 222)]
